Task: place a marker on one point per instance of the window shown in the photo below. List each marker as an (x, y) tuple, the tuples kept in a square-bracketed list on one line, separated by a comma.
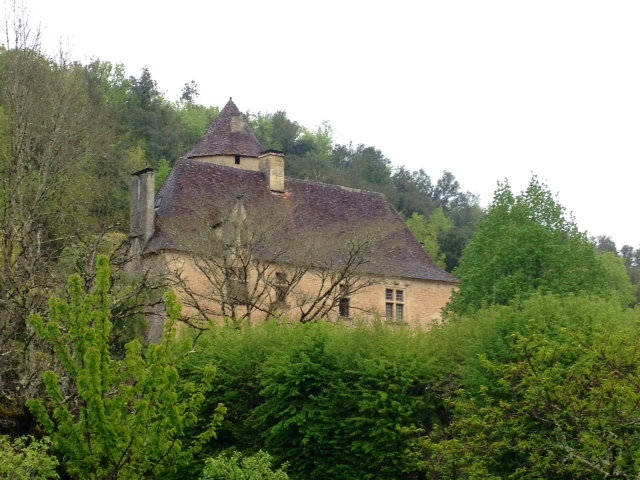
[(343, 307), (394, 306), (237, 159), (344, 302)]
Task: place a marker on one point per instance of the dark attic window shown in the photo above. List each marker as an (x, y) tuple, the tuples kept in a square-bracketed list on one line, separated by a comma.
[(237, 159)]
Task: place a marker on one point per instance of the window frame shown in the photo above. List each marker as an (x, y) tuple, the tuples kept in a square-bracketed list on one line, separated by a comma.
[(395, 306), (344, 307)]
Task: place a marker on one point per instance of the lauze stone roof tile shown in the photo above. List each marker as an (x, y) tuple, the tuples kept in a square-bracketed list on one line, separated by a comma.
[(195, 189), (229, 134)]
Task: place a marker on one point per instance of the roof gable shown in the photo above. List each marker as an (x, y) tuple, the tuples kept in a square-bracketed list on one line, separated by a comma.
[(229, 134)]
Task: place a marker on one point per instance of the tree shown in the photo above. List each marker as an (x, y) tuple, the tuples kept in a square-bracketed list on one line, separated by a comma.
[(631, 256), (620, 279), (190, 92), (253, 260), (52, 143), (237, 467), (447, 190), (26, 459), (465, 218), (526, 244), (151, 121), (561, 402), (413, 191), (604, 244), (428, 232), (113, 418)]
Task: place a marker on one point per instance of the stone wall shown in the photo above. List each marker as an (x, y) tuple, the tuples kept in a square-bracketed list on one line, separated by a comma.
[(246, 163), (421, 301)]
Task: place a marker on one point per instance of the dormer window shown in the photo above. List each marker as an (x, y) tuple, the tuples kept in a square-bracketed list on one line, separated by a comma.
[(237, 159)]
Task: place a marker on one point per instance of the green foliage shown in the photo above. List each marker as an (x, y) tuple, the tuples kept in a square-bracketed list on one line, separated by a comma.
[(618, 276), (560, 400), (162, 172), (196, 120), (114, 418), (58, 181), (526, 245), (237, 467), (26, 459), (428, 232), (331, 402)]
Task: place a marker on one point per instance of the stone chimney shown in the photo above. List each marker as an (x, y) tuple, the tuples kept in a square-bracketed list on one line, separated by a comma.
[(142, 207), (272, 167)]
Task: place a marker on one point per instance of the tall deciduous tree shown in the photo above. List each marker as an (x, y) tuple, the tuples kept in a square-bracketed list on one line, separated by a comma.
[(558, 400), (51, 138), (427, 231), (111, 418), (527, 244), (252, 262)]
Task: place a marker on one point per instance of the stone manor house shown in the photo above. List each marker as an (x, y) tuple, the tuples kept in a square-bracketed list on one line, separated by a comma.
[(242, 241)]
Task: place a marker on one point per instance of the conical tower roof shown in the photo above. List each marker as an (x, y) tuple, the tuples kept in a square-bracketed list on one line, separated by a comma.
[(229, 134)]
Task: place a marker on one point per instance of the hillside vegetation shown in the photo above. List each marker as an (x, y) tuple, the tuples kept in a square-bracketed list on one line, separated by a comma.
[(533, 372)]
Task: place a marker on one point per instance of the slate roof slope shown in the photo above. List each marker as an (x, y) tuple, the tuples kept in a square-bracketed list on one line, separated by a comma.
[(194, 187), (229, 134)]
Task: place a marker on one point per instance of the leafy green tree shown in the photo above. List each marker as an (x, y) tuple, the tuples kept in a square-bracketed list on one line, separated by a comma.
[(26, 459), (113, 418), (163, 171), (526, 244), (195, 120), (631, 259), (237, 467), (54, 142), (413, 192), (428, 232), (151, 121), (631, 256), (447, 190), (604, 244), (328, 400), (373, 380), (560, 402), (619, 278), (465, 218)]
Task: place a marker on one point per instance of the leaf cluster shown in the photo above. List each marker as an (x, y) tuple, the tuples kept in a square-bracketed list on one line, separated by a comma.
[(253, 467), (527, 244), (329, 401), (26, 459), (549, 389), (112, 418)]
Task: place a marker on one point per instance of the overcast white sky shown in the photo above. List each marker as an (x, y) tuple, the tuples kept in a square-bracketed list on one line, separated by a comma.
[(485, 89)]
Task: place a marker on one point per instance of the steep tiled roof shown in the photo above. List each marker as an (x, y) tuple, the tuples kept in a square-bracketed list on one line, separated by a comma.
[(335, 213), (229, 134)]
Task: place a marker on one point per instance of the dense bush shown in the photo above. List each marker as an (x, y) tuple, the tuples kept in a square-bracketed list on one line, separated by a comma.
[(550, 390), (330, 401)]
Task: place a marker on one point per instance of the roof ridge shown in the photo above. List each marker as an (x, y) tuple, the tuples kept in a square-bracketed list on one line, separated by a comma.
[(343, 187)]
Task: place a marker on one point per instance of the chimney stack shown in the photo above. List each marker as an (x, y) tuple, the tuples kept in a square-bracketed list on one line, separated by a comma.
[(272, 167), (142, 208)]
